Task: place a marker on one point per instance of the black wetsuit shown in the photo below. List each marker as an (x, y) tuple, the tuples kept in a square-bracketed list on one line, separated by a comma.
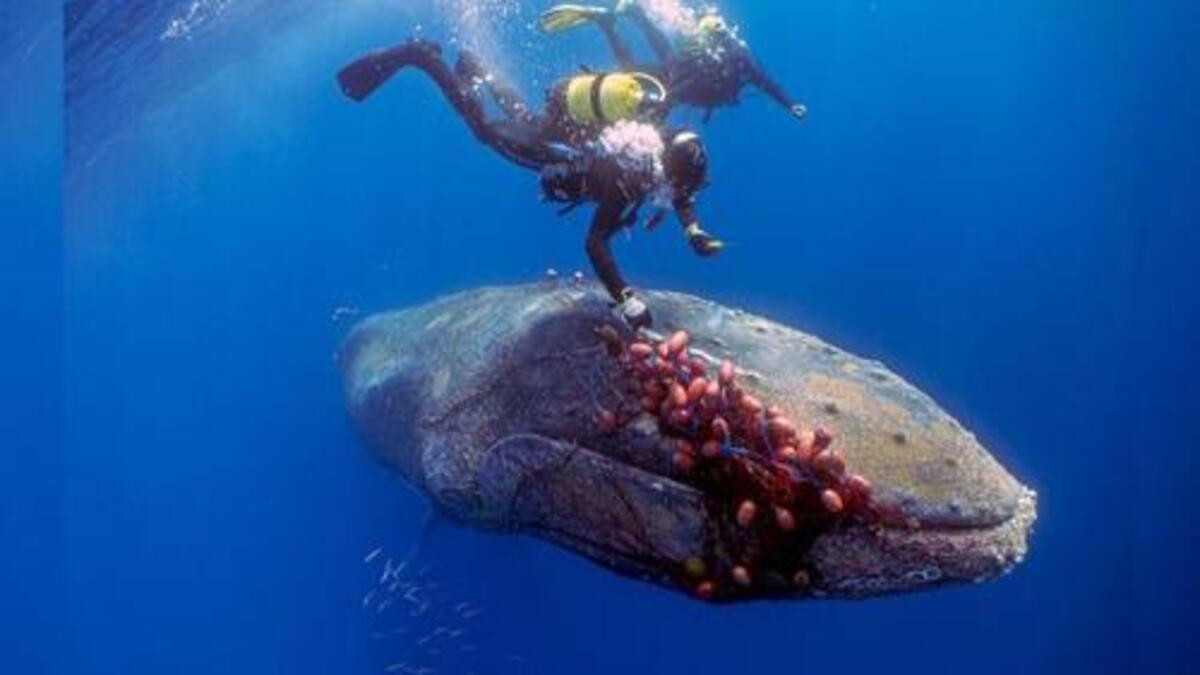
[(708, 77), (549, 142)]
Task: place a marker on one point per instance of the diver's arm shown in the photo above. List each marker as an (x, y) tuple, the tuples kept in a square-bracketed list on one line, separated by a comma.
[(759, 78), (685, 210), (605, 223), (701, 241)]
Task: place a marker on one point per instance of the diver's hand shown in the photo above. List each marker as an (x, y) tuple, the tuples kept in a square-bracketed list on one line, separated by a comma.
[(703, 243), (799, 110), (633, 311)]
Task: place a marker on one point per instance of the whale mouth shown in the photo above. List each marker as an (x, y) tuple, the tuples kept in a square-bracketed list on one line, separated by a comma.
[(863, 562)]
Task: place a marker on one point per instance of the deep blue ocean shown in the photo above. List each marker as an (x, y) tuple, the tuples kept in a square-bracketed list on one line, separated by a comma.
[(1000, 200)]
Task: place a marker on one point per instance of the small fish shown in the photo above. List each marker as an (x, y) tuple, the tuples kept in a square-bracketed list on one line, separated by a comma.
[(387, 571), (340, 314), (404, 667), (372, 555)]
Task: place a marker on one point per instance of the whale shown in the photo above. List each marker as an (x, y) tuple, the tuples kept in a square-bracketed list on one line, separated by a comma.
[(511, 408)]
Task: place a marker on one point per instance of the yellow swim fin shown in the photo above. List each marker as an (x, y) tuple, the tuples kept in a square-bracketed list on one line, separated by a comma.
[(564, 17)]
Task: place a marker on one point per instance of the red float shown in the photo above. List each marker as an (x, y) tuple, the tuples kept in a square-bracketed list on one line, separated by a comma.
[(740, 452), (832, 501), (741, 576), (745, 513)]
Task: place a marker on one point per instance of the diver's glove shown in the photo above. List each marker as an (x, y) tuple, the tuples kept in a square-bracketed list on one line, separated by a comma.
[(799, 110), (633, 311), (702, 242)]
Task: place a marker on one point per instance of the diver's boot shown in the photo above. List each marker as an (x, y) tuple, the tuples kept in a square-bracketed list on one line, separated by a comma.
[(565, 17), (703, 243), (361, 78), (633, 311)]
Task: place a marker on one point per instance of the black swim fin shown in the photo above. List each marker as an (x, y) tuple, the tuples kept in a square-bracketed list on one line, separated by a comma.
[(362, 77)]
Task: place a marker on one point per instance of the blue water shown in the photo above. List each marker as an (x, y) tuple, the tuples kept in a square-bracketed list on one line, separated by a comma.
[(997, 199)]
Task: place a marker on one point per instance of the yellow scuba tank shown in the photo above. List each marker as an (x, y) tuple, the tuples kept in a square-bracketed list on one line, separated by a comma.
[(604, 98)]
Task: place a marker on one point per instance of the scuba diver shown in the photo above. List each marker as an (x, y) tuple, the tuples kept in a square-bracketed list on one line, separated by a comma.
[(598, 139), (709, 70)]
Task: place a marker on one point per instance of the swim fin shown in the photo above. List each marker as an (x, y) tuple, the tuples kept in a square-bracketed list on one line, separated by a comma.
[(564, 17), (361, 78)]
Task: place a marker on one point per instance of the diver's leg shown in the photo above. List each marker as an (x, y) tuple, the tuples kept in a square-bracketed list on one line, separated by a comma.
[(566, 16), (510, 101), (427, 57), (656, 38), (360, 78), (521, 142), (514, 140), (518, 136), (470, 68), (620, 49)]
